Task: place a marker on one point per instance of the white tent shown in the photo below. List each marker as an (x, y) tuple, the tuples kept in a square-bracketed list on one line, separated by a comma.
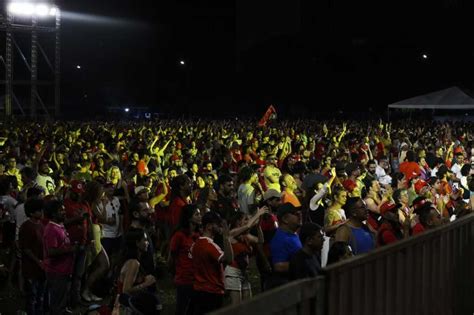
[(451, 98)]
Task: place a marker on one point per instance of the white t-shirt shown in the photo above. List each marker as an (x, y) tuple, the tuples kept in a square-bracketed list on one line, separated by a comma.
[(112, 209), (47, 183)]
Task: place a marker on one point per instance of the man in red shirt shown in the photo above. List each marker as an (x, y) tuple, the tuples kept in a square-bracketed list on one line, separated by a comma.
[(31, 244), (77, 226), (208, 259), (428, 217), (180, 192)]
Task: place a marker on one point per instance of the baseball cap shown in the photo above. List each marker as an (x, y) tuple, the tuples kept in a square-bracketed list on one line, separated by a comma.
[(387, 206), (419, 185), (271, 193), (140, 189), (285, 209), (78, 187)]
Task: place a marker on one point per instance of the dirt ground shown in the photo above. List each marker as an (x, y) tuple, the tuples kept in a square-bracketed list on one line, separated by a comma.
[(12, 301)]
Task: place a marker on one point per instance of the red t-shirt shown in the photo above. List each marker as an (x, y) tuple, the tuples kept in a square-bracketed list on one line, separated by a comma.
[(417, 229), (386, 235), (175, 209), (208, 270), (180, 246), (77, 232), (241, 248), (55, 236)]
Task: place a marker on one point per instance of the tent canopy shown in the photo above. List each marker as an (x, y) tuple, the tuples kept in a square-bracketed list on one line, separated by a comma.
[(450, 98)]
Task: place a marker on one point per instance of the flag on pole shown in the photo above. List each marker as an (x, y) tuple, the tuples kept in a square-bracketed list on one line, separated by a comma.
[(269, 114)]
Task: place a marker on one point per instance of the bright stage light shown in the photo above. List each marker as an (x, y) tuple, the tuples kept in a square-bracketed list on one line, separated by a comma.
[(127, 109), (31, 9)]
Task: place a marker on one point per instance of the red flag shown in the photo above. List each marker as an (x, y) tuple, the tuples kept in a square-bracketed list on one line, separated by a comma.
[(269, 114)]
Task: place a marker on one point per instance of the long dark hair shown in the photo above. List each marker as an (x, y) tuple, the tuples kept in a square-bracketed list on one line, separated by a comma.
[(131, 251), (184, 224)]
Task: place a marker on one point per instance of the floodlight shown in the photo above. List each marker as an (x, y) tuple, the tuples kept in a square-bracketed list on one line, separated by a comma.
[(182, 62), (53, 11), (425, 56), (42, 10), (127, 109), (78, 67), (22, 8)]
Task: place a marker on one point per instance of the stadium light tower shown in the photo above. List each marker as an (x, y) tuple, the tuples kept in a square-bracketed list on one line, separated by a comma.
[(31, 17)]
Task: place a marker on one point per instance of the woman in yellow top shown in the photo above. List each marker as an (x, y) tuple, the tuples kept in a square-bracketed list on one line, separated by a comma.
[(335, 215)]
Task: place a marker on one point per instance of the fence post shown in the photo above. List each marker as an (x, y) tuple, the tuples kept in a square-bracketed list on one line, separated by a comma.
[(321, 295)]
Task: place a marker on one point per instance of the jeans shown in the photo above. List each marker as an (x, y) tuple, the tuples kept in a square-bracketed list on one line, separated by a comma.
[(78, 273), (184, 294), (35, 293), (59, 287)]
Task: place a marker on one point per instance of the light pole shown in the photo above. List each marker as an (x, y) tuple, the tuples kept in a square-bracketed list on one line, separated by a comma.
[(34, 13)]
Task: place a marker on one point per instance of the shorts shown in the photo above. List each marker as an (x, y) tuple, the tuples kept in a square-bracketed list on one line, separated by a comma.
[(235, 280)]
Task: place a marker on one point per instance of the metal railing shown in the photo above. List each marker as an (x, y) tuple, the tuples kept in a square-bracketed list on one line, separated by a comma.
[(432, 273)]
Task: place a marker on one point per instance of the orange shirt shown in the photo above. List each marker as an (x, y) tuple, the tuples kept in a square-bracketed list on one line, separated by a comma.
[(291, 198)]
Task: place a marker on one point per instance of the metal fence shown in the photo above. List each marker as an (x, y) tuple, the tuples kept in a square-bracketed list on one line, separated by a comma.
[(432, 273)]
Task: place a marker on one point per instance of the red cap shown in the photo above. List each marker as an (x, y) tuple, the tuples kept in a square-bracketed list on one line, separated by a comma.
[(174, 157), (458, 150), (419, 185), (78, 186), (387, 206)]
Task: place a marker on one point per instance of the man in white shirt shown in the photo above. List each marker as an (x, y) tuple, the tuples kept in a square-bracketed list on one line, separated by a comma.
[(44, 180), (112, 227)]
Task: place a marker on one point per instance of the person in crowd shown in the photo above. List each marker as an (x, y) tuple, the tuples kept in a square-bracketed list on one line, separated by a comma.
[(226, 205), (180, 193), (58, 256), (335, 214), (249, 191), (208, 260), (306, 263), (112, 222), (284, 244), (428, 217), (135, 286), (244, 245), (289, 187), (179, 263), (391, 230), (79, 231), (30, 240), (94, 198), (355, 231), (272, 173), (374, 200), (44, 180)]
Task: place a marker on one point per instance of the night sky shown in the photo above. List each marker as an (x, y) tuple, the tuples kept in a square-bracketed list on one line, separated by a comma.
[(244, 55)]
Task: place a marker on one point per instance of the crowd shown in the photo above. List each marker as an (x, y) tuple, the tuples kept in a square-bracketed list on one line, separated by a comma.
[(88, 210)]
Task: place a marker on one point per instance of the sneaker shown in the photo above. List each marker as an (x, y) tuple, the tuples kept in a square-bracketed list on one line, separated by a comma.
[(86, 296), (94, 297)]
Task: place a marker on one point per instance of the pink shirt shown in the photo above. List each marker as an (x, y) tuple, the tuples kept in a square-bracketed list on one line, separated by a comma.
[(55, 236)]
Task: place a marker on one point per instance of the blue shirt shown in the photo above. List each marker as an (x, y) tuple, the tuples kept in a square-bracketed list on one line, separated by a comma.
[(363, 241), (283, 246)]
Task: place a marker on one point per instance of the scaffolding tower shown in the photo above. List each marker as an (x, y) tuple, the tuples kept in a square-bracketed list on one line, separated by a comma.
[(30, 64)]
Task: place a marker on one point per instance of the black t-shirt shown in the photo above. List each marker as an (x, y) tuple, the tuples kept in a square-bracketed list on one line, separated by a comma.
[(303, 265)]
